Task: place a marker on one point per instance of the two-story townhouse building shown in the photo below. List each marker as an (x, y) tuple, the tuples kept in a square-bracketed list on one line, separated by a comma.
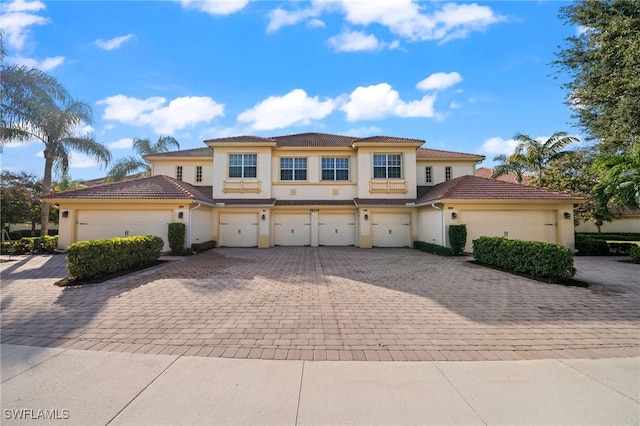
[(315, 189)]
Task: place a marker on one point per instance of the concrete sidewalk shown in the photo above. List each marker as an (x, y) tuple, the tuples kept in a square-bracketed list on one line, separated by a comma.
[(100, 388)]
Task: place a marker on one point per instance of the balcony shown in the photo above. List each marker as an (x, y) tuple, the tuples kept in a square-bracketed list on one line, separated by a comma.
[(241, 186), (395, 186)]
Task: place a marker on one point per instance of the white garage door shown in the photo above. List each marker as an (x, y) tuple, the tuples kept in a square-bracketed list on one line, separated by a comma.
[(239, 229), (336, 229), (518, 225), (292, 229), (391, 229), (94, 225)]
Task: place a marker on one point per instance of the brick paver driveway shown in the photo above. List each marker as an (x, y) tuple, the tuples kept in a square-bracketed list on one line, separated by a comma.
[(320, 303)]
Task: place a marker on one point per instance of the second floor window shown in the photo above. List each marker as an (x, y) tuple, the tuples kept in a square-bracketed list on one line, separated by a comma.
[(293, 169), (428, 174), (387, 166), (243, 165), (335, 168), (179, 172), (447, 173), (198, 173)]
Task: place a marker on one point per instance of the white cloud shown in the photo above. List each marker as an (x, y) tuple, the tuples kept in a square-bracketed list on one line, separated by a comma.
[(316, 23), (46, 64), (496, 146), (439, 81), (362, 132), (78, 160), (405, 18), (354, 41), (113, 43), (381, 101), (296, 107), (124, 143), (17, 17), (215, 7), (163, 118)]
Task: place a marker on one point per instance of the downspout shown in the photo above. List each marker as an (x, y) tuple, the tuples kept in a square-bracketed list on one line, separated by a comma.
[(442, 222), (191, 222)]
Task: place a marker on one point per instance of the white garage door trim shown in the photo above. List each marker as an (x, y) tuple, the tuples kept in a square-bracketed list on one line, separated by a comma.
[(239, 229), (292, 229), (336, 229)]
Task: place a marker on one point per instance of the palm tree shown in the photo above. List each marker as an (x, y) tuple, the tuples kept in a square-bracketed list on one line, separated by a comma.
[(508, 165), (537, 155), (129, 165)]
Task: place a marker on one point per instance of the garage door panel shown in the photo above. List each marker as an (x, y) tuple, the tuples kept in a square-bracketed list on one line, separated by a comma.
[(391, 229), (239, 229), (94, 225), (336, 229), (292, 229), (520, 225)]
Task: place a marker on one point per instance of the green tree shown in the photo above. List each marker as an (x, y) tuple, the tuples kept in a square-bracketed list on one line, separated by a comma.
[(54, 123), (20, 201), (575, 173), (603, 68), (537, 155), (619, 179), (129, 165), (509, 164)]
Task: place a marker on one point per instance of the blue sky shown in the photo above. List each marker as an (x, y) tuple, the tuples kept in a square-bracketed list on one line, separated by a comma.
[(462, 76)]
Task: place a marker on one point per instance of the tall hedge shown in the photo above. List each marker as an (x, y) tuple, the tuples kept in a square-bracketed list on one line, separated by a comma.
[(177, 231), (97, 258), (458, 238), (543, 260)]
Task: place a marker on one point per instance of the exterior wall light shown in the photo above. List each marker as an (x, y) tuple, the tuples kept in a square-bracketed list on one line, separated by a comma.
[(264, 217), (366, 216), (65, 213), (180, 215), (454, 215), (567, 215)]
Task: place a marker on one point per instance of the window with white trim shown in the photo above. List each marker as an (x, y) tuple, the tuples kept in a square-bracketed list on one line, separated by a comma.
[(335, 168), (447, 173), (428, 174), (387, 166), (198, 173), (179, 172), (243, 165), (293, 168)]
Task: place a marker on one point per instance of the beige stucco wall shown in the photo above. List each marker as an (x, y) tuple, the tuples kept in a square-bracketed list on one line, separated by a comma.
[(220, 172), (623, 224), (168, 168), (365, 170), (430, 225), (458, 168), (201, 229)]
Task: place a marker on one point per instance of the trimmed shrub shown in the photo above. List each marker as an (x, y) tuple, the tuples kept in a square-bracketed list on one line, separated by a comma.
[(458, 238), (176, 236), (31, 245), (635, 254), (593, 244), (433, 248), (540, 260), (200, 247), (98, 258)]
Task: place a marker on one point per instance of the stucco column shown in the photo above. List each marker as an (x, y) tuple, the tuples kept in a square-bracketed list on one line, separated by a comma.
[(314, 227), (264, 226)]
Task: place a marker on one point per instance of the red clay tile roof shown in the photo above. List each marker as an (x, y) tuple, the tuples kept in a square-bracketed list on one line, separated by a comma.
[(315, 203), (383, 201), (486, 172), (477, 188), (437, 153), (150, 188), (195, 152), (246, 138), (101, 181), (315, 140), (246, 201)]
